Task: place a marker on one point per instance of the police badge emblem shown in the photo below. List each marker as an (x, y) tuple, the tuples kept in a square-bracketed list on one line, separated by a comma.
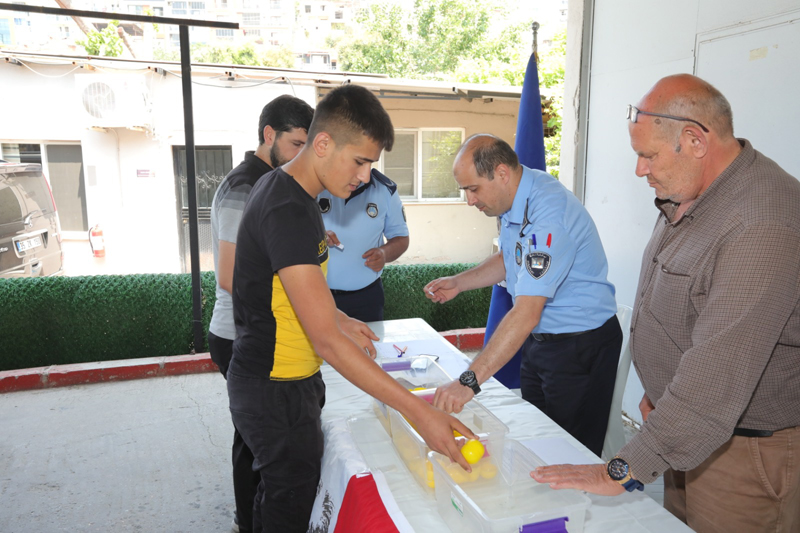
[(324, 204), (518, 254), (537, 264), (372, 210)]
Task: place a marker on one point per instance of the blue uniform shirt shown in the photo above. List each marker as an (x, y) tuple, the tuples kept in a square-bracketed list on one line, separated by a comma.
[(373, 211), (551, 248)]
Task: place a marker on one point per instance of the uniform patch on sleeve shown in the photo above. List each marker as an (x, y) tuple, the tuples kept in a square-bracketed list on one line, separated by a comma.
[(324, 204), (372, 210), (537, 264), (518, 253)]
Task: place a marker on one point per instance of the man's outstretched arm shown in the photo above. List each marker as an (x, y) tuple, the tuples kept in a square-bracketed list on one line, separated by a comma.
[(312, 301)]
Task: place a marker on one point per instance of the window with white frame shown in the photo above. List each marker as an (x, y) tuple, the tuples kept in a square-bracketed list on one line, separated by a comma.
[(179, 8), (251, 19), (421, 163)]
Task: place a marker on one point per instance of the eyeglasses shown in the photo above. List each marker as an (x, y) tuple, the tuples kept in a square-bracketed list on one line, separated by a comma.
[(634, 112)]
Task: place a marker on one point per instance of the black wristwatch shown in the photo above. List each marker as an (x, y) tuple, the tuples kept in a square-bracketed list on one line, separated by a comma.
[(619, 471), (468, 379)]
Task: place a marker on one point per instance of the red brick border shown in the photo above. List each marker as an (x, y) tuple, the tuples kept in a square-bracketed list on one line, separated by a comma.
[(83, 373), (465, 339), (150, 367)]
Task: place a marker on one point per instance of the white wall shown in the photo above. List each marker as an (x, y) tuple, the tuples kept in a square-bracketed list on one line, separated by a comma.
[(138, 210), (448, 233), (138, 215), (634, 44)]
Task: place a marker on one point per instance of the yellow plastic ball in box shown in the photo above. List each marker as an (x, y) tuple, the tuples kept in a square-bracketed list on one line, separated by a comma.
[(458, 474), (473, 451), (474, 475), (431, 483), (488, 469)]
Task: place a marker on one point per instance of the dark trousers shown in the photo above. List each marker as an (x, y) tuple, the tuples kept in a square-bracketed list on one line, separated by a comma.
[(245, 480), (364, 304), (280, 421), (571, 380)]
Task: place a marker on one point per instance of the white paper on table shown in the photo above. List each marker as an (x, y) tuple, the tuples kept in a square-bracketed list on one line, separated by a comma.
[(558, 452), (434, 347)]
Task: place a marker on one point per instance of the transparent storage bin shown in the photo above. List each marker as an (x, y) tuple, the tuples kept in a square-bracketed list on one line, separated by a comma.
[(421, 375), (509, 501), (414, 452)]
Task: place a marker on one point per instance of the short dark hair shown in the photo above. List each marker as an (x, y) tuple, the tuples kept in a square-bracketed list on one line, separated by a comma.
[(284, 113), (490, 151), (349, 111)]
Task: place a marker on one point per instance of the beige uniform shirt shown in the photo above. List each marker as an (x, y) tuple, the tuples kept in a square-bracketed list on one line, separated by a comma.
[(715, 334)]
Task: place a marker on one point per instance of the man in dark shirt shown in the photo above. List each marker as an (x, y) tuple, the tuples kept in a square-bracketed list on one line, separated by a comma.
[(282, 130), (287, 322)]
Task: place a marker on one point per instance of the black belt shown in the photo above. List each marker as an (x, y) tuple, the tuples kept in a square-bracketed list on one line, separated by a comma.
[(743, 432), (541, 337), (338, 291)]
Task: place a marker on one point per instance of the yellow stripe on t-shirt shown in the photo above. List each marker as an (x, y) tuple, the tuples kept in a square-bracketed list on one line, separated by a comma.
[(294, 357)]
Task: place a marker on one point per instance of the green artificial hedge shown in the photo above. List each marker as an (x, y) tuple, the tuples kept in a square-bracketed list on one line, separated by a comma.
[(62, 320)]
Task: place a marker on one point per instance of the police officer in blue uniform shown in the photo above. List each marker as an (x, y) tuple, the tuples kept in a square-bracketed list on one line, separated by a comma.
[(356, 228), (564, 313)]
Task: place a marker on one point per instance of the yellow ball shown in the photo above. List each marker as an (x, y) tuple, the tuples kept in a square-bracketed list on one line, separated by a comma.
[(473, 451), (458, 474), (488, 470)]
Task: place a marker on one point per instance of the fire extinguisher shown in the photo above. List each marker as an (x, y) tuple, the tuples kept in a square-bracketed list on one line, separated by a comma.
[(96, 241)]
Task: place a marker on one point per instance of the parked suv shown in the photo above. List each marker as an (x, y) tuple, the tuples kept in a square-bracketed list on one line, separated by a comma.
[(30, 232)]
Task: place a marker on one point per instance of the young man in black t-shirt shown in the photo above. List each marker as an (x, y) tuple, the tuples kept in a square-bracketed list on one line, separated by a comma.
[(287, 322)]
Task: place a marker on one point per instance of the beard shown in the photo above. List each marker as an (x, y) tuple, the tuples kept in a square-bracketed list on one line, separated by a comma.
[(276, 159)]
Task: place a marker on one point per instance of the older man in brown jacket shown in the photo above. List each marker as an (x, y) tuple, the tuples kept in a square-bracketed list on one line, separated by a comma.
[(716, 326)]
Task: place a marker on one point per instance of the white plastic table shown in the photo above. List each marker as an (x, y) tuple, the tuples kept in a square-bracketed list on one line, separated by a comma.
[(628, 512)]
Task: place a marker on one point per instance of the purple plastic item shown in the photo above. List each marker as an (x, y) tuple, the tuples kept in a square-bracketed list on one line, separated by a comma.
[(556, 525), (392, 366)]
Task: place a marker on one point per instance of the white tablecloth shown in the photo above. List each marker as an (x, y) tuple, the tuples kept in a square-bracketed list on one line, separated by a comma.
[(628, 512)]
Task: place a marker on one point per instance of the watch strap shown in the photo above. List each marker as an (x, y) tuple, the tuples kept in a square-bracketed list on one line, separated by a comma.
[(633, 484)]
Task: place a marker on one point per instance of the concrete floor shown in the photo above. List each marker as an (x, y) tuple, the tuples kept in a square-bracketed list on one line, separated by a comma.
[(149, 455)]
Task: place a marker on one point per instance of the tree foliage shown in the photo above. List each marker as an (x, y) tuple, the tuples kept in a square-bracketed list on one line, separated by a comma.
[(453, 40), (105, 43), (429, 41), (551, 75), (247, 54)]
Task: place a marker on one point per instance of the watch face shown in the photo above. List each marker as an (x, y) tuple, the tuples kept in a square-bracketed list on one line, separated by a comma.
[(468, 378), (617, 469)]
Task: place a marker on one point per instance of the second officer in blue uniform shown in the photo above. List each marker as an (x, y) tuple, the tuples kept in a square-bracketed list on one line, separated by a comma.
[(564, 313), (356, 228)]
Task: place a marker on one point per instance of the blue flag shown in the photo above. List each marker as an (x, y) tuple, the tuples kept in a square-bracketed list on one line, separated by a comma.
[(530, 150), (530, 131)]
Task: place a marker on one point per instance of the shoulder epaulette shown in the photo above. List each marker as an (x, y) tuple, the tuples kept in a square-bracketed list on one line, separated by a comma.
[(384, 180)]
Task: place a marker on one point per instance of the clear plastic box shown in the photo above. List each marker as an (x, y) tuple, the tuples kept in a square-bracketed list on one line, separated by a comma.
[(421, 375), (510, 501), (414, 452)]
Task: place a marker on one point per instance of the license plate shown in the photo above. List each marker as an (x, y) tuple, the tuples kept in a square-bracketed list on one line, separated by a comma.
[(28, 244)]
